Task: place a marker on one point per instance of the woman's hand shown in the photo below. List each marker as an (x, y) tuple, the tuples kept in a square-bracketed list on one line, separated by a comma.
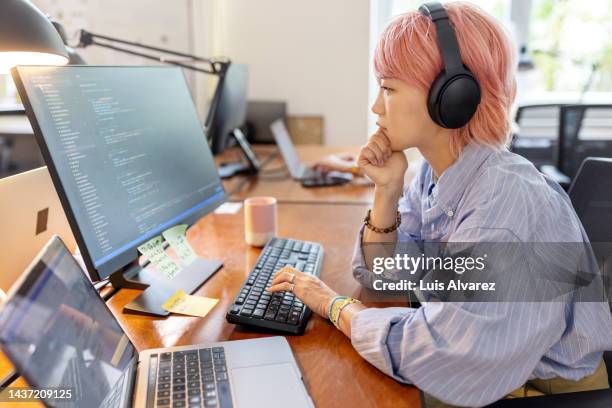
[(308, 288), (345, 162), (383, 166)]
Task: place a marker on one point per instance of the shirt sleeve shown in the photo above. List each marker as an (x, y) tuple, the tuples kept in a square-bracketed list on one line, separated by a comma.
[(463, 353), (409, 232)]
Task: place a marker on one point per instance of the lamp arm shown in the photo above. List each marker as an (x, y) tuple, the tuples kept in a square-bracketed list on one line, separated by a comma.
[(217, 66)]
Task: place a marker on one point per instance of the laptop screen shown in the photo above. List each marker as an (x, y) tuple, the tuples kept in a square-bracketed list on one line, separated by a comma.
[(285, 145), (58, 332)]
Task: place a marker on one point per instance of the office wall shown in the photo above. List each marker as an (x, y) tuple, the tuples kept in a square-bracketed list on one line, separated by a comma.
[(163, 23), (313, 54)]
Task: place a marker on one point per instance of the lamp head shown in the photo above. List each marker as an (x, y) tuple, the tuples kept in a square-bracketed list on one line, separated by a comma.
[(27, 37)]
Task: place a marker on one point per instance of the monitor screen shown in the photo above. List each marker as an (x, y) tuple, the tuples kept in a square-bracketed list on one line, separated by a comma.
[(232, 108), (126, 152), (59, 334)]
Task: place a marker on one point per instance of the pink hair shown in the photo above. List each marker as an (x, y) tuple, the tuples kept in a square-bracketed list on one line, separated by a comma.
[(408, 50)]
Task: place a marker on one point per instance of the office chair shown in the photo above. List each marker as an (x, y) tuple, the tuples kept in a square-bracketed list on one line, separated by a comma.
[(584, 130), (591, 195), (538, 130)]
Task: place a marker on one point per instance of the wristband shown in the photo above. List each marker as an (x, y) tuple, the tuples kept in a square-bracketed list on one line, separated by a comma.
[(331, 305), (337, 308)]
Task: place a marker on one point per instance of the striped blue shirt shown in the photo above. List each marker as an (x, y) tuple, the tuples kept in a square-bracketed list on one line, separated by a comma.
[(470, 353)]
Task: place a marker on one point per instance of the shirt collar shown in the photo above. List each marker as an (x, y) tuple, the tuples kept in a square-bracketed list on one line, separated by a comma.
[(456, 178)]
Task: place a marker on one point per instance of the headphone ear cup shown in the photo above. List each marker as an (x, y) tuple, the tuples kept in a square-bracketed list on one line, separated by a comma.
[(453, 100), (434, 97)]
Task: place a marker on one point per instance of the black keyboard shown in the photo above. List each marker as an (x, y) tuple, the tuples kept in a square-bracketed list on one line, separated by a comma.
[(280, 311), (189, 378)]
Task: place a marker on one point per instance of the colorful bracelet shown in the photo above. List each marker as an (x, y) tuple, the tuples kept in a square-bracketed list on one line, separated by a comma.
[(331, 305), (338, 307)]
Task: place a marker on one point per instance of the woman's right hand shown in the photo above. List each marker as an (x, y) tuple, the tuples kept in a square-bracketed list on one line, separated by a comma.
[(383, 166)]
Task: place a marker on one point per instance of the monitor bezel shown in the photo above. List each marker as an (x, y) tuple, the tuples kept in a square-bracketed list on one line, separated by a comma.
[(130, 255)]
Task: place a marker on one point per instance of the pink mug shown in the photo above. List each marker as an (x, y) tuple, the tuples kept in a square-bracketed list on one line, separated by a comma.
[(259, 220)]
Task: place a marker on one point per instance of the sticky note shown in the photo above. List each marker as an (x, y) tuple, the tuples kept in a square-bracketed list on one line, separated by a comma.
[(153, 250), (182, 303), (178, 241), (229, 208)]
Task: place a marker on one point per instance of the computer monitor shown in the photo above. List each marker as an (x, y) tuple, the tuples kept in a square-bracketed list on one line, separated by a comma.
[(128, 159), (225, 121)]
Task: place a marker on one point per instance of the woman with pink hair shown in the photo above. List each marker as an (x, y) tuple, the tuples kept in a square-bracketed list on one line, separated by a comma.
[(447, 84)]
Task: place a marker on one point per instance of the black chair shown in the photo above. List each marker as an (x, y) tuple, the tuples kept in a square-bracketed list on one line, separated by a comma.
[(538, 131), (584, 131), (591, 195)]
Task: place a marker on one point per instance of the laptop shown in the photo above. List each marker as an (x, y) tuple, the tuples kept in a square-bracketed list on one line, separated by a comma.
[(57, 332), (30, 213), (298, 170)]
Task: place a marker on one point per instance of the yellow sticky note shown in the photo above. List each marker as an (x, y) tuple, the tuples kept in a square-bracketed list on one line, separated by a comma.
[(182, 303)]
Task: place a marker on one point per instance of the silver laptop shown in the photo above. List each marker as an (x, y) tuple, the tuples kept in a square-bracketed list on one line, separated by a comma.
[(59, 334), (297, 169), (30, 213)]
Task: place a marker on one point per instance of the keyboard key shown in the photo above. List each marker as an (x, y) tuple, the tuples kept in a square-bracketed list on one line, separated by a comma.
[(210, 403), (166, 357), (164, 401), (258, 313), (163, 394), (224, 394), (222, 377), (193, 392), (178, 404)]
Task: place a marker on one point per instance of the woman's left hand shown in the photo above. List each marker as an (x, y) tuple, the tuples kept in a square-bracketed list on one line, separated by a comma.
[(308, 288)]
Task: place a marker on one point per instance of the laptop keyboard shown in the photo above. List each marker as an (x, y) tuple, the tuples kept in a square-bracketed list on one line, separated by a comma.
[(190, 378), (281, 311)]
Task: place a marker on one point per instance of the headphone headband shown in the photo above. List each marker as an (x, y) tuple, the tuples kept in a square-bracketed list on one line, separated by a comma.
[(446, 38)]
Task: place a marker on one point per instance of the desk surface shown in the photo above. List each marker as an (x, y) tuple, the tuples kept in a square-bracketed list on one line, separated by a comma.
[(328, 362), (334, 374), (274, 179)]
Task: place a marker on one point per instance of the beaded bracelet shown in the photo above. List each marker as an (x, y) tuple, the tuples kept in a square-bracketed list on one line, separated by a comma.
[(398, 221)]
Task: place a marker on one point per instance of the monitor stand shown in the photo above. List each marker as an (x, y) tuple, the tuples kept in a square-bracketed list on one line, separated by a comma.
[(252, 164), (157, 287)]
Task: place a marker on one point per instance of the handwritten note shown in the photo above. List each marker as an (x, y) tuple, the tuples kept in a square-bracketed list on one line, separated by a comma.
[(178, 241), (154, 251), (182, 303)]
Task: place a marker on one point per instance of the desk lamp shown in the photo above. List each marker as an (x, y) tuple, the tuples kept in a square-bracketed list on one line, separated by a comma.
[(27, 37)]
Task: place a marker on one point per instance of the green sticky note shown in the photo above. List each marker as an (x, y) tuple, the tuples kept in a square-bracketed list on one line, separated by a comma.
[(178, 241), (153, 250)]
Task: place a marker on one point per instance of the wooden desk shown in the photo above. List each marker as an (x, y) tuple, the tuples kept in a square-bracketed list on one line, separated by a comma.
[(280, 184), (334, 374)]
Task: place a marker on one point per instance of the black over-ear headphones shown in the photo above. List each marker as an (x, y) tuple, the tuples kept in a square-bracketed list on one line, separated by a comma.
[(455, 94)]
